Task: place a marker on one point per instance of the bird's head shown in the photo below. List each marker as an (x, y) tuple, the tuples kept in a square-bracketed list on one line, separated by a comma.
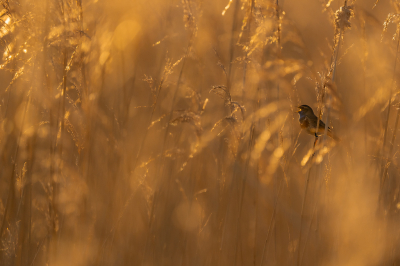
[(305, 110)]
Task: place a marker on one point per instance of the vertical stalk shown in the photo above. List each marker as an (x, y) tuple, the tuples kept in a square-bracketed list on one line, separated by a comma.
[(246, 56), (59, 142), (244, 178), (390, 154), (302, 210), (279, 132), (383, 166), (271, 223), (232, 44)]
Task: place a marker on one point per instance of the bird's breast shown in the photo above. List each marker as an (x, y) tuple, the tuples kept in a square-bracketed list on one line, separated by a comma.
[(304, 123)]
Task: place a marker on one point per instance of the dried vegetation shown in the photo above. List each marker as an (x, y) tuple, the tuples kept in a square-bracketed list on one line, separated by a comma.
[(155, 132)]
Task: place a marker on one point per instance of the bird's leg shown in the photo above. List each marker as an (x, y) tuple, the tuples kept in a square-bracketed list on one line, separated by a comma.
[(316, 140)]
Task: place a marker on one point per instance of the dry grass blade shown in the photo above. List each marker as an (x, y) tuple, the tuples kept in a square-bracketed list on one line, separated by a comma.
[(165, 132)]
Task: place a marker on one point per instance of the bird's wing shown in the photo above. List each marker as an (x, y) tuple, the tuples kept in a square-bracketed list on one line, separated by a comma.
[(321, 128)]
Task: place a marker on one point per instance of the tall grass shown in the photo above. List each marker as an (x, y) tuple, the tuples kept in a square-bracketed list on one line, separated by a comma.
[(166, 133)]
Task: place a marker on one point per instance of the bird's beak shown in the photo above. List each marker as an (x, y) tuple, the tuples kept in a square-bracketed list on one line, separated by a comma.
[(298, 110)]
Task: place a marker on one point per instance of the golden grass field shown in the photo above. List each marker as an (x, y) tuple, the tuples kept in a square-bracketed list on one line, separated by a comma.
[(165, 132)]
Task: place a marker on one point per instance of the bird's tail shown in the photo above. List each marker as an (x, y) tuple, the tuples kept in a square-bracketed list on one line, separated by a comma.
[(332, 135)]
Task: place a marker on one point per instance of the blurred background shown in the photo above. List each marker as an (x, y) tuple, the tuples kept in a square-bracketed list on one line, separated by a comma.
[(165, 132)]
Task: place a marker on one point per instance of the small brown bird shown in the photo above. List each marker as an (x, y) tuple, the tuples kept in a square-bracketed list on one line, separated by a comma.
[(308, 121)]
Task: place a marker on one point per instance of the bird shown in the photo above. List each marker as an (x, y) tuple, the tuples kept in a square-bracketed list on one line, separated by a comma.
[(308, 121)]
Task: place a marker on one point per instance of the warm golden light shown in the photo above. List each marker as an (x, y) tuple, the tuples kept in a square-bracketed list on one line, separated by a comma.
[(192, 132), (125, 33)]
